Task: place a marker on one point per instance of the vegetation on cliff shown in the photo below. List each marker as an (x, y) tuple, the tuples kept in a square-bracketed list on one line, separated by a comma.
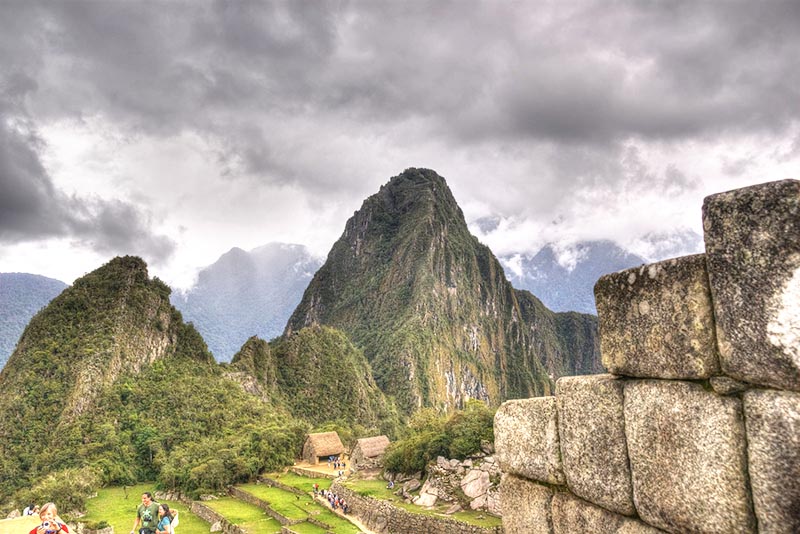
[(431, 308), (108, 383)]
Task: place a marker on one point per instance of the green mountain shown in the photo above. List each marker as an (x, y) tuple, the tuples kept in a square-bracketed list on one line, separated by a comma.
[(109, 384), (21, 296), (431, 308), (319, 376)]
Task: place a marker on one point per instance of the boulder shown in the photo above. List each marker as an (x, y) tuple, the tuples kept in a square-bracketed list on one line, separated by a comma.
[(773, 446), (591, 428), (752, 238), (530, 512), (475, 484), (656, 321), (526, 439), (453, 509), (13, 514), (216, 527), (572, 515), (412, 485), (687, 453)]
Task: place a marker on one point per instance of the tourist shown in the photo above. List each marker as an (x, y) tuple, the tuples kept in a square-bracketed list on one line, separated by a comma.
[(146, 515), (164, 525), (51, 523)]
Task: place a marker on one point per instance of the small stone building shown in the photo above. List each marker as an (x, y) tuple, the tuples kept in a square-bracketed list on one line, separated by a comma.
[(368, 452), (321, 445)]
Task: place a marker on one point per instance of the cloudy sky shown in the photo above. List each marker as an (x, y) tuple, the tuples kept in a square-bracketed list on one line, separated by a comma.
[(175, 131)]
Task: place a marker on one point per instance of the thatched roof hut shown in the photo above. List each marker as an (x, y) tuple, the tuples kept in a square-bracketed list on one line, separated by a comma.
[(321, 445), (368, 452)]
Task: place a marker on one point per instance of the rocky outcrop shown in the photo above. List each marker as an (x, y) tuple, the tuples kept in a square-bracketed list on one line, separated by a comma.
[(697, 428), (473, 483)]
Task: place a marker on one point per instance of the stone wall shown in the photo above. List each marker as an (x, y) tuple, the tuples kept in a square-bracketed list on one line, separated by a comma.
[(382, 517), (697, 427), (218, 523)]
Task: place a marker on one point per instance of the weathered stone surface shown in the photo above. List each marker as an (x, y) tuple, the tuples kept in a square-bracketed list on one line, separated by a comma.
[(572, 515), (475, 483), (526, 439), (687, 452), (752, 238), (725, 385), (591, 429), (656, 320), (529, 510), (773, 434)]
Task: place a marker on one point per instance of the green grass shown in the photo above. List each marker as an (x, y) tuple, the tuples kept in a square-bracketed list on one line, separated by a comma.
[(285, 503), (111, 506), (300, 482), (308, 528), (247, 516), (339, 525), (19, 525)]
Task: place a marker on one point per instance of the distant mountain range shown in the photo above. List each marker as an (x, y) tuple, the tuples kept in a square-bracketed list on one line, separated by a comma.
[(245, 294), (564, 280), (21, 296)]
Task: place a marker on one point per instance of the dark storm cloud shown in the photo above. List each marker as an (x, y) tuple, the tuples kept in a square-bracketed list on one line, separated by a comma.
[(245, 74)]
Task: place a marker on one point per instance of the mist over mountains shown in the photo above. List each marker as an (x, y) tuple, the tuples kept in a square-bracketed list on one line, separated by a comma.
[(21, 296), (564, 279), (246, 294)]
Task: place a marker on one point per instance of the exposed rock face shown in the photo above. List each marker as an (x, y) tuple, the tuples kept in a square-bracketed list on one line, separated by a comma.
[(592, 434), (773, 446), (431, 308), (530, 512), (664, 328), (688, 457), (475, 478), (753, 248), (575, 516), (526, 438)]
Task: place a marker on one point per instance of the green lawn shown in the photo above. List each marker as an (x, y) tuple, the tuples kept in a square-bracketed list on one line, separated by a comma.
[(247, 516), (20, 525), (112, 506), (300, 482), (308, 528), (285, 503)]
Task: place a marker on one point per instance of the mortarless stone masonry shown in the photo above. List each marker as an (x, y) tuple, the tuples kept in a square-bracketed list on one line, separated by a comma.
[(718, 454)]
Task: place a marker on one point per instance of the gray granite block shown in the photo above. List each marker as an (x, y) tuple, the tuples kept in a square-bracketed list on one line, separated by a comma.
[(687, 451), (591, 428), (772, 419), (572, 515), (752, 238), (525, 506), (526, 439), (656, 321)]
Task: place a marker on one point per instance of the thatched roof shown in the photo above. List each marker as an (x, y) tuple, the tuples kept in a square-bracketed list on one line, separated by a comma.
[(325, 443), (372, 447)]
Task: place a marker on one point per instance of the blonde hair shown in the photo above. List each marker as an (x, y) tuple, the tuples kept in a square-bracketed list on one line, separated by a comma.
[(46, 506)]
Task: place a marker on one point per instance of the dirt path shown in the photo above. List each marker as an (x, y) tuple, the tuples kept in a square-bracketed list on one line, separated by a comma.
[(324, 502)]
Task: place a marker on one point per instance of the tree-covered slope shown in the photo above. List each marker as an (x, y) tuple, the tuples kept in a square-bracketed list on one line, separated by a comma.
[(430, 306), (21, 296), (109, 379), (319, 376), (246, 294)]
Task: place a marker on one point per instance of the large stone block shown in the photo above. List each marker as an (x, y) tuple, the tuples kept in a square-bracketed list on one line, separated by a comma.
[(525, 506), (687, 451), (772, 419), (526, 439), (752, 240), (591, 428), (572, 515), (656, 321)]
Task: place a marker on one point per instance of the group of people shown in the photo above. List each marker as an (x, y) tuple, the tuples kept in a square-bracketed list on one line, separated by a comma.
[(154, 518), (337, 464), (336, 502), (51, 523)]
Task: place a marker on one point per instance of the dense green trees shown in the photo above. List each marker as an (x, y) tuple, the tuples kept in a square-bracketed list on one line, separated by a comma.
[(430, 435)]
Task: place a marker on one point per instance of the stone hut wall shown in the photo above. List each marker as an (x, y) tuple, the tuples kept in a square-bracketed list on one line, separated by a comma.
[(382, 517), (697, 426)]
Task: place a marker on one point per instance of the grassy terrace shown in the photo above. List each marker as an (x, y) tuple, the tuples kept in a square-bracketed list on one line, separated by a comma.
[(300, 507), (377, 489), (112, 506), (247, 516)]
